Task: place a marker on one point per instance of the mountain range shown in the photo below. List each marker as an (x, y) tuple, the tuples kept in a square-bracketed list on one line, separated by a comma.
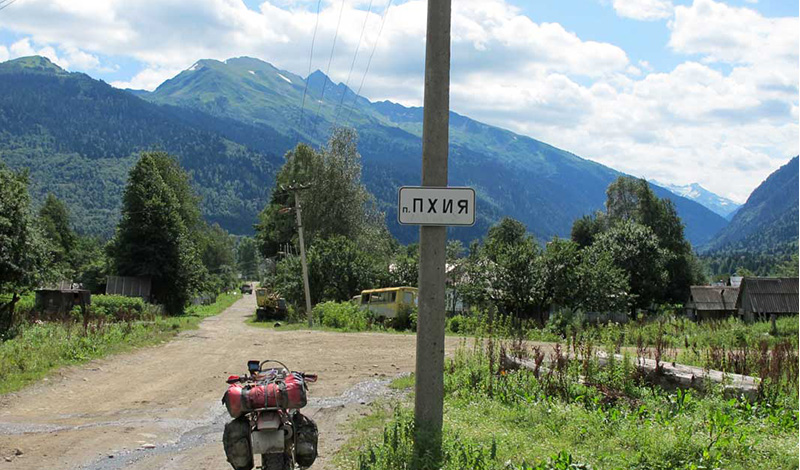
[(720, 205), (231, 122), (768, 221)]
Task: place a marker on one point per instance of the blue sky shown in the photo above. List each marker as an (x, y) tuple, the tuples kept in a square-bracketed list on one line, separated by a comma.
[(677, 91)]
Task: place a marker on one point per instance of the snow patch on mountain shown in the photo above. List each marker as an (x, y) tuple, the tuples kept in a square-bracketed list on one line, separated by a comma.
[(721, 205)]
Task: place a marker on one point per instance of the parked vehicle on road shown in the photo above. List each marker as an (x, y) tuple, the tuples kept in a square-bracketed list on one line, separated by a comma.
[(247, 288), (265, 406), (386, 302), (271, 306)]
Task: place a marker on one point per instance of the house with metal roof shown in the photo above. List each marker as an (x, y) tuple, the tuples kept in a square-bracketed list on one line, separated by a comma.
[(761, 297), (711, 302)]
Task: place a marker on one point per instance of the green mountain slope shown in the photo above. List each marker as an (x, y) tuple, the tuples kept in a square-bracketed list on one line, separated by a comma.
[(768, 221), (545, 187), (230, 123), (79, 137)]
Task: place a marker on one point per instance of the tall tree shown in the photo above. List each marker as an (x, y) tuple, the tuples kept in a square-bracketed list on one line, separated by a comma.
[(152, 238), (635, 250), (560, 261), (507, 232), (336, 202), (55, 224), (247, 258), (217, 252), (632, 199), (586, 229), (602, 286), (23, 249), (179, 182), (404, 267), (505, 271)]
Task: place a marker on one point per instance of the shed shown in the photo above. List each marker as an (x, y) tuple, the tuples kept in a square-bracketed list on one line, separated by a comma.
[(761, 297), (61, 301), (129, 286), (711, 302)]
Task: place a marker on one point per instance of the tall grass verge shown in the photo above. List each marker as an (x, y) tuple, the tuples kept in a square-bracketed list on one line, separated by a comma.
[(42, 346), (567, 412)]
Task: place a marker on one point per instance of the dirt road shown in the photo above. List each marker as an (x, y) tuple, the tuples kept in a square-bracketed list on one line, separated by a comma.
[(159, 407)]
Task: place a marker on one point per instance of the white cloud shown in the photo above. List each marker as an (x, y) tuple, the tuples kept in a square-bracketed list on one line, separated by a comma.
[(147, 79), (734, 35), (24, 47), (644, 10), (727, 130), (70, 57)]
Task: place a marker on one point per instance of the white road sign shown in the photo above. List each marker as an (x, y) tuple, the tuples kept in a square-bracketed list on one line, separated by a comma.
[(418, 205)]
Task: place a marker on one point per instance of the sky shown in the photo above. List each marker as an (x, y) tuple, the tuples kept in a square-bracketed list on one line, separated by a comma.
[(678, 91)]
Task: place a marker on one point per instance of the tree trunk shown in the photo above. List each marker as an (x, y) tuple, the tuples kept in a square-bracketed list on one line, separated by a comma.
[(7, 314)]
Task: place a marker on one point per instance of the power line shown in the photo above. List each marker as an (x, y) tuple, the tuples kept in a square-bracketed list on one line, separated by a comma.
[(6, 3), (369, 61), (310, 59), (328, 70), (352, 64)]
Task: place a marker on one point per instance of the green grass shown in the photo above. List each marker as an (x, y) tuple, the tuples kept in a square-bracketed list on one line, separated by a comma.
[(516, 421), (403, 382), (39, 349)]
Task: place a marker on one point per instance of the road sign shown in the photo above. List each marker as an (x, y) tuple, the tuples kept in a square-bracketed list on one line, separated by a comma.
[(419, 205)]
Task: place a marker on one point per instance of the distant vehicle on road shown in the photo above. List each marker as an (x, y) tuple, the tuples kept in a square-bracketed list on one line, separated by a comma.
[(386, 302), (247, 288)]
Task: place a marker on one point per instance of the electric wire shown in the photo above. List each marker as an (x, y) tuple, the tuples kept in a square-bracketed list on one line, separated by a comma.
[(6, 3), (310, 60), (328, 69), (369, 61), (352, 65)]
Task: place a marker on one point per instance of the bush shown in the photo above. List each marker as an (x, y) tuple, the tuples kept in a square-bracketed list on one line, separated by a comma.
[(563, 322), (341, 315), (120, 308), (406, 318)]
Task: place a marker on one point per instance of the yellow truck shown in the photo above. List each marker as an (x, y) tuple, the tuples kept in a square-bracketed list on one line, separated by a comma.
[(270, 305)]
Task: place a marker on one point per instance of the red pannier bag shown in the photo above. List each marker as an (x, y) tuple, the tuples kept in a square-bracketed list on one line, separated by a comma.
[(286, 393)]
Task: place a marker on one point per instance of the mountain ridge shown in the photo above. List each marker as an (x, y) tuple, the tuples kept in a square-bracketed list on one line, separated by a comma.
[(254, 108), (768, 221)]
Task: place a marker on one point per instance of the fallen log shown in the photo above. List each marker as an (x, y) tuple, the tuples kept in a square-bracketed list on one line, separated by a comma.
[(667, 375)]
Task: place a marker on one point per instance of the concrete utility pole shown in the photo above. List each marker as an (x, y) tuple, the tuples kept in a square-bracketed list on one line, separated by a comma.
[(303, 259), (429, 388), (295, 188)]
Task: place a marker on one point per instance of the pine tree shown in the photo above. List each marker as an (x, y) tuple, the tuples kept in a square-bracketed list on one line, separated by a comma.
[(152, 239)]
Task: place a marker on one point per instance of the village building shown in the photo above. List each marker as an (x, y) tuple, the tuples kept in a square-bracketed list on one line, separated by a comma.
[(761, 297), (711, 302), (61, 301)]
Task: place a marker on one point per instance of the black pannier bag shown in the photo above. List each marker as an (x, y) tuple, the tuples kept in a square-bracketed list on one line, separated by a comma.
[(236, 441), (307, 437)]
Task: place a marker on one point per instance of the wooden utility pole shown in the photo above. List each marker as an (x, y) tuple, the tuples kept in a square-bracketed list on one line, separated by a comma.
[(429, 388)]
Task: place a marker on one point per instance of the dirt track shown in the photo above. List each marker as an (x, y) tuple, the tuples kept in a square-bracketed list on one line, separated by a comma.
[(160, 407)]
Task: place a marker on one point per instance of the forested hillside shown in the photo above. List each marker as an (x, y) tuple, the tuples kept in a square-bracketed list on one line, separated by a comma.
[(544, 187), (79, 137), (231, 122), (764, 232)]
